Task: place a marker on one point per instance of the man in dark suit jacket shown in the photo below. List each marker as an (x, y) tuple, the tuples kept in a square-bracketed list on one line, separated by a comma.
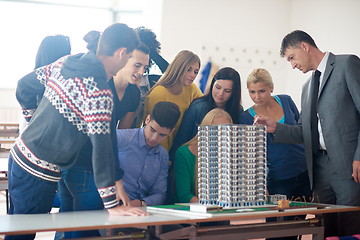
[(333, 157)]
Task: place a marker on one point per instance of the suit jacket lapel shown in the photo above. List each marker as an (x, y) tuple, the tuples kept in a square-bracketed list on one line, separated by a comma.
[(307, 100), (328, 70)]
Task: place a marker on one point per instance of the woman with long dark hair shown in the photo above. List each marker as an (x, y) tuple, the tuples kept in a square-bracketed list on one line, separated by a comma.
[(224, 93)]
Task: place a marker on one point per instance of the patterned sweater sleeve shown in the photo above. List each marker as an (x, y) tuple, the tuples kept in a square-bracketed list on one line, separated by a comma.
[(29, 91), (98, 112), (30, 88)]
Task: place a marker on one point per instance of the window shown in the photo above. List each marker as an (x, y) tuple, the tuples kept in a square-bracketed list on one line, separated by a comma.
[(26, 23)]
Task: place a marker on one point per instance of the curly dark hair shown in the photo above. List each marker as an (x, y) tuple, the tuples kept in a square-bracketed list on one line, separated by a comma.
[(92, 39), (148, 37)]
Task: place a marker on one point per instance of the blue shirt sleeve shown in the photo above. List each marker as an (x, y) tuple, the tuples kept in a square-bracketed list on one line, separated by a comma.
[(119, 172)]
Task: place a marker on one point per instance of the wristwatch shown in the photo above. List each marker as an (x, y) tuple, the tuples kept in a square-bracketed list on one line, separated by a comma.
[(143, 203)]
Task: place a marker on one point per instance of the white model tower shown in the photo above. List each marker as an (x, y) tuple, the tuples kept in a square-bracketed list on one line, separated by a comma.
[(232, 165)]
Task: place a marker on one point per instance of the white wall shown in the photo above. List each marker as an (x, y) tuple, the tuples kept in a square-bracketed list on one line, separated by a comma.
[(334, 26), (236, 33), (10, 109), (258, 26)]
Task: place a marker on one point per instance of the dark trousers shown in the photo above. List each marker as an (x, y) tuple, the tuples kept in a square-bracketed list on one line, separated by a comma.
[(333, 187), (296, 188), (28, 194), (78, 192)]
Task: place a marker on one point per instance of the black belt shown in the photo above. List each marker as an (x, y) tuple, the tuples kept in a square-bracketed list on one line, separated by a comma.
[(322, 151)]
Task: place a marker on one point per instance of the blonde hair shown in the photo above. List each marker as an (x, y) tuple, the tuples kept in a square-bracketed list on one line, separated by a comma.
[(207, 120), (259, 75), (176, 70)]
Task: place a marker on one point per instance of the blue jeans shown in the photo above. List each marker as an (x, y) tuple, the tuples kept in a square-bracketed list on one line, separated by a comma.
[(28, 194), (78, 192)]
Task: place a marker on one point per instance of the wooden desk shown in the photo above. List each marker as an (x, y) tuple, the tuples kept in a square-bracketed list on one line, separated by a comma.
[(8, 133), (7, 140), (87, 220), (4, 179), (6, 144), (5, 125), (10, 130)]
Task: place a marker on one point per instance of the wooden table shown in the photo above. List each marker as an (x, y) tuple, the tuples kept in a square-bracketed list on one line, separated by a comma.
[(88, 220)]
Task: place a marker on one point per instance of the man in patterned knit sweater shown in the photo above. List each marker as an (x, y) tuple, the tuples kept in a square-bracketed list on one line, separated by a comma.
[(76, 106)]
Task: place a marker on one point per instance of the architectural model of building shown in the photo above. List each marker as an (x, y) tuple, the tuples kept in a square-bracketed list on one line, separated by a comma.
[(232, 165), (274, 199)]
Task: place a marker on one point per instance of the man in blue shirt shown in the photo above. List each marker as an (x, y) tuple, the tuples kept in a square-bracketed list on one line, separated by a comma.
[(144, 161)]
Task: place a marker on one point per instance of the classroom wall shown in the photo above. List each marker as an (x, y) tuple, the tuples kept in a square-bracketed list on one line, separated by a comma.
[(332, 24), (253, 29), (9, 108)]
